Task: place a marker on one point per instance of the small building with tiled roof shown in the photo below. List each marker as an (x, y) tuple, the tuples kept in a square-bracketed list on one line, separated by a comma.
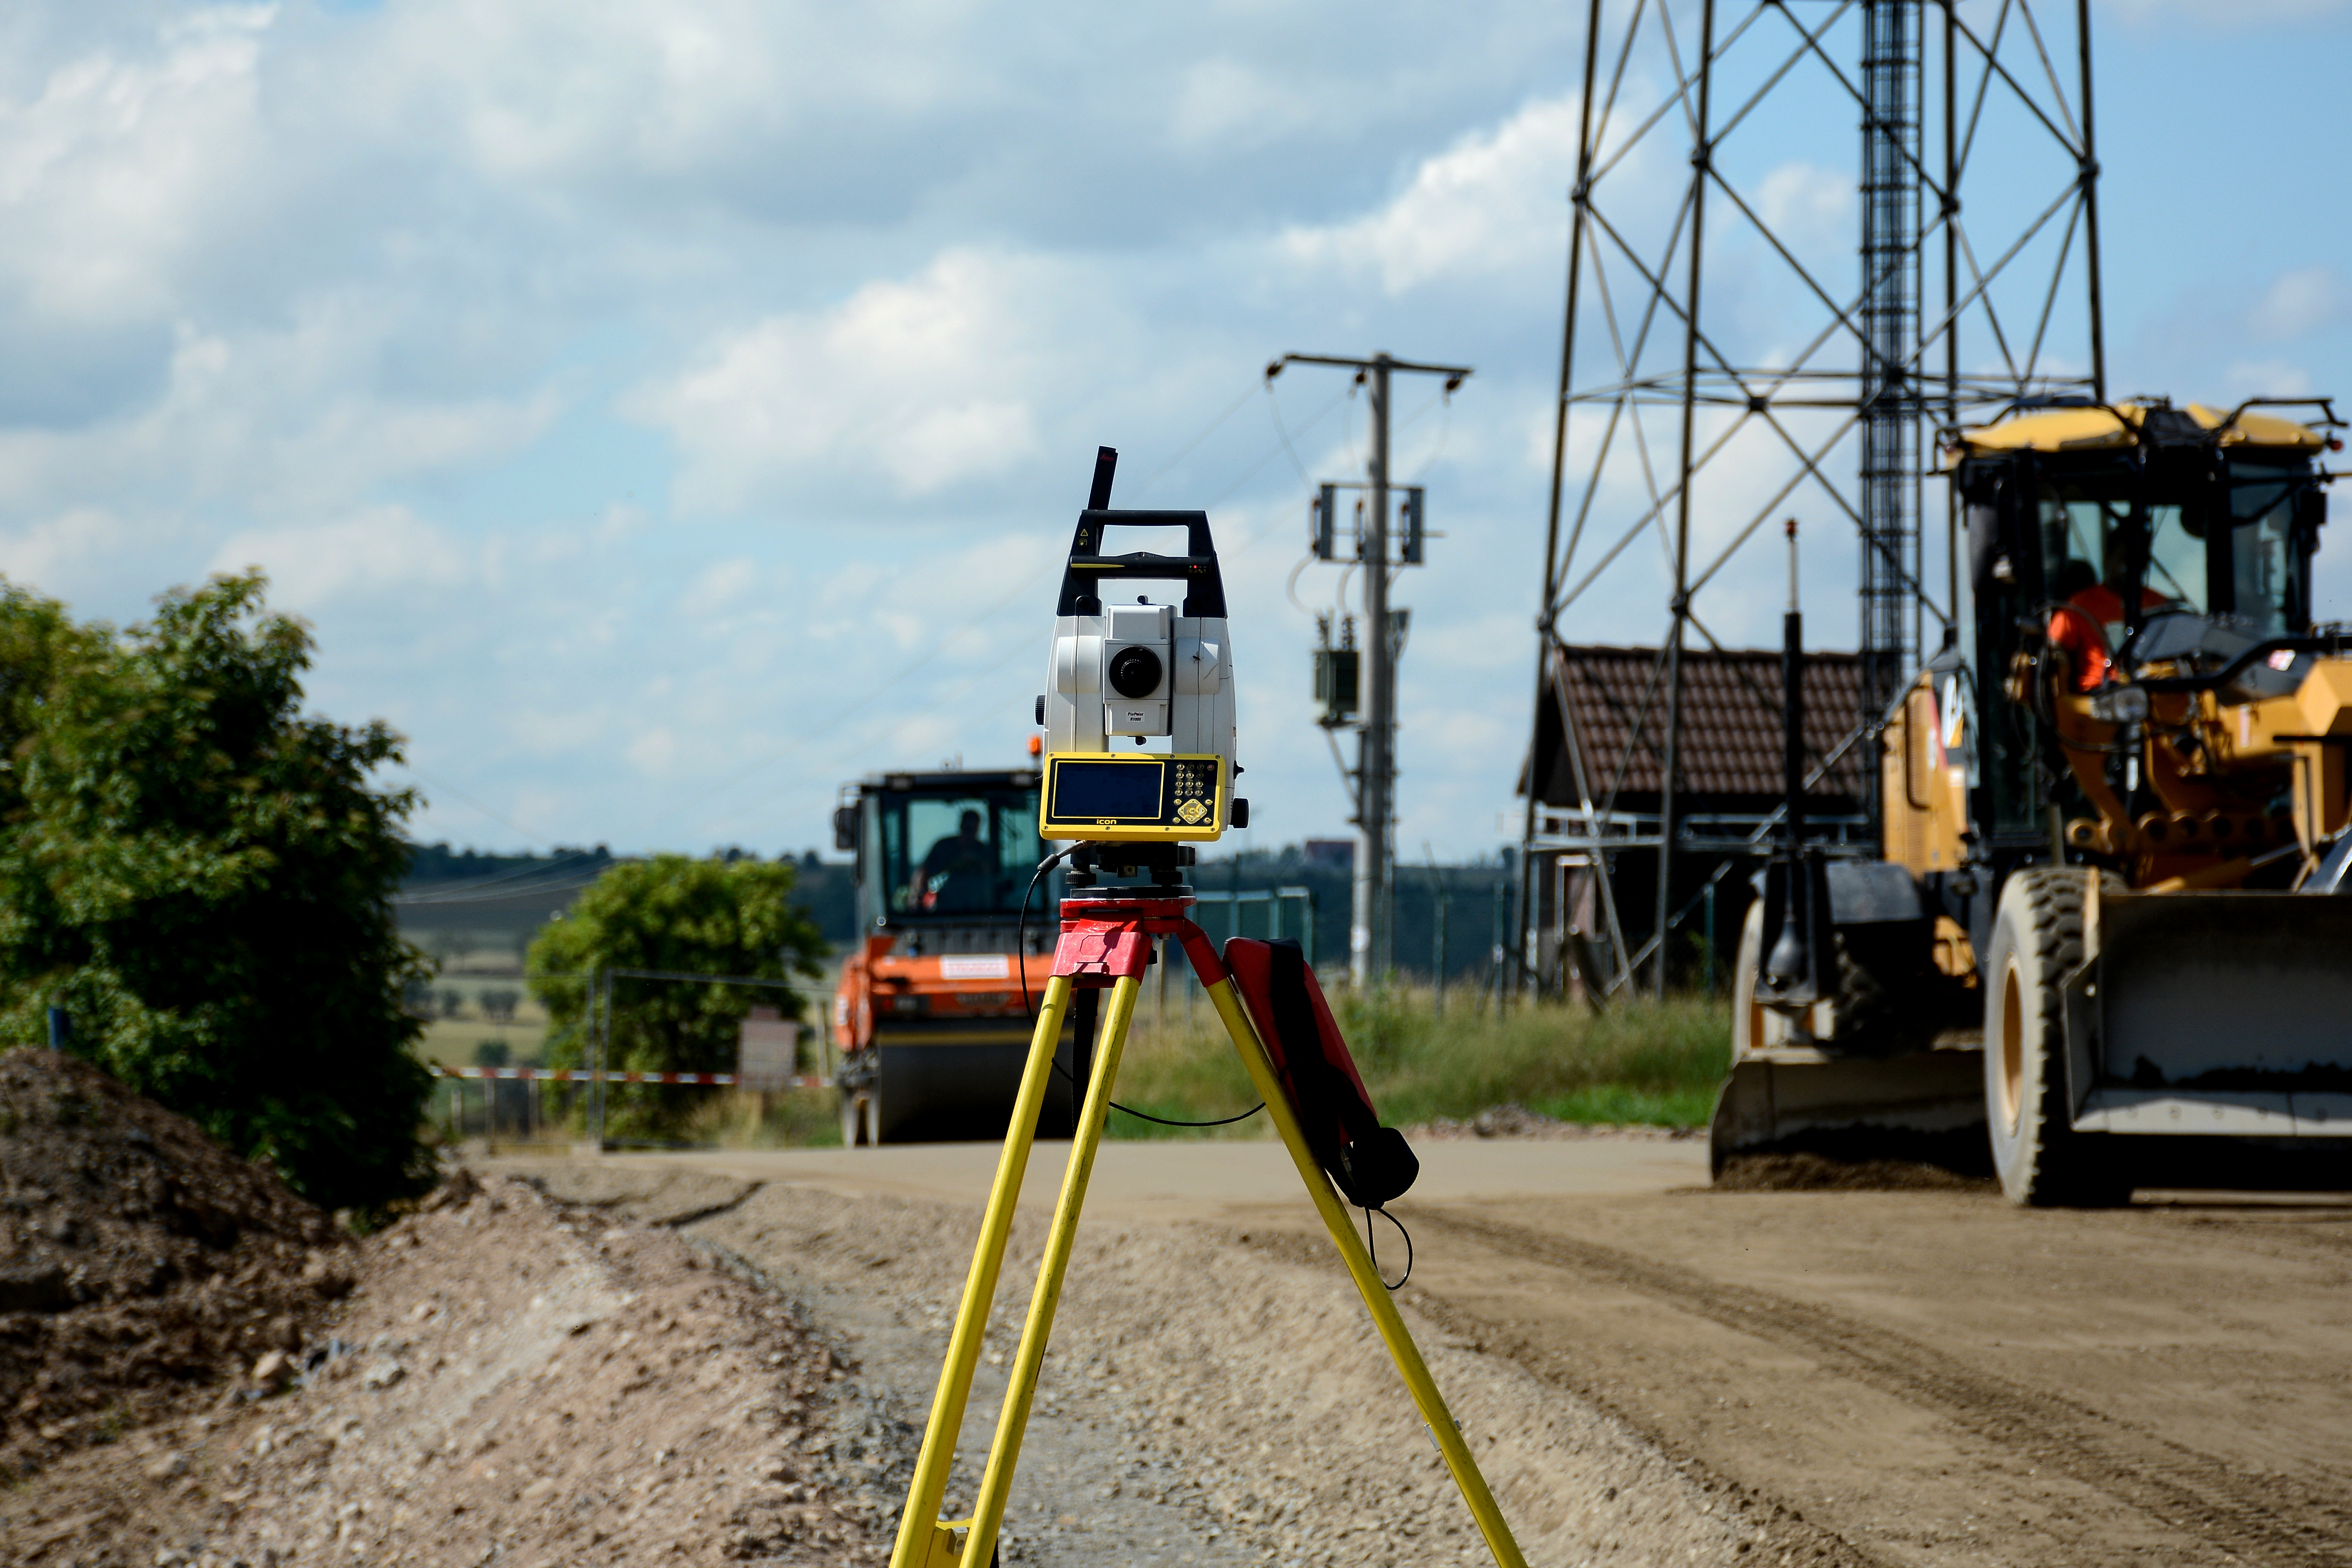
[(1611, 702), (1599, 747)]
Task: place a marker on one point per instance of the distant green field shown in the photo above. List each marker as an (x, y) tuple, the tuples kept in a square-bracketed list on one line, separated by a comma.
[(457, 1042), (469, 1010), (1639, 1062)]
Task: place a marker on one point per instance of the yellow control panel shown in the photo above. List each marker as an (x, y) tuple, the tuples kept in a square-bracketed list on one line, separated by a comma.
[(1105, 797)]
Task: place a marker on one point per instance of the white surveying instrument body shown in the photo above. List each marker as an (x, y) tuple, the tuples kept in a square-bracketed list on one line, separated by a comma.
[(1124, 668)]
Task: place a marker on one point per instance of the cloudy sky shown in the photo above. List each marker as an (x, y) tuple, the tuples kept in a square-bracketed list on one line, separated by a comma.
[(664, 412)]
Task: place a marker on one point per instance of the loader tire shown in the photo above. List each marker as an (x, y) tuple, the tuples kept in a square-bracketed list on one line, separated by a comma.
[(1747, 1010), (2037, 942)]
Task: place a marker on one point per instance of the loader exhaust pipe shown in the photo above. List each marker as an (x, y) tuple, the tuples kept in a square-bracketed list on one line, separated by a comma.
[(1789, 971)]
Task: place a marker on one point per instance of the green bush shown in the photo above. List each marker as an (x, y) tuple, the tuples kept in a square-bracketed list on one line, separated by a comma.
[(678, 915), (201, 877)]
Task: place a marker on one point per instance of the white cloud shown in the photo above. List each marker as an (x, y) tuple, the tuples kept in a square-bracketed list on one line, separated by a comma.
[(1810, 207), (383, 552), (119, 167), (1494, 202), (276, 420), (445, 312), (2298, 303), (1231, 104), (721, 587), (653, 751), (2267, 378), (68, 550), (925, 381)]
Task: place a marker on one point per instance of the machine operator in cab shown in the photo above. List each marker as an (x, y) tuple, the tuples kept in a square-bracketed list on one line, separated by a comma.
[(958, 872), (2087, 621)]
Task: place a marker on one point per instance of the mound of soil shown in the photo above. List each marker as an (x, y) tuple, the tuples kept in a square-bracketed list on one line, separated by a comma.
[(509, 1382), (141, 1263)]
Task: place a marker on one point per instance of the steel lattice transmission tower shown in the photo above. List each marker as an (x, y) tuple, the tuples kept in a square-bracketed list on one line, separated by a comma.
[(1725, 362), (1891, 396)]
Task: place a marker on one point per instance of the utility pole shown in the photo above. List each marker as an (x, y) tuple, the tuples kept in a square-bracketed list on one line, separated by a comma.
[(1370, 928)]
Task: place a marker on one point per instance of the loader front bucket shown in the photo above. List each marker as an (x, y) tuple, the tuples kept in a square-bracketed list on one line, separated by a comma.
[(2213, 1015), (1921, 1106)]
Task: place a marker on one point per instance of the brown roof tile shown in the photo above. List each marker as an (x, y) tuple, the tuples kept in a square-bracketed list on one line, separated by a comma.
[(1730, 750)]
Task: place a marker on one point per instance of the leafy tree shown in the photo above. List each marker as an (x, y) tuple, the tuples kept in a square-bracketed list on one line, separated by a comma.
[(201, 877), (685, 916)]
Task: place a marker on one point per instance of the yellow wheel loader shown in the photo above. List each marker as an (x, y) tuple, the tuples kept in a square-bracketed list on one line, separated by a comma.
[(2109, 931)]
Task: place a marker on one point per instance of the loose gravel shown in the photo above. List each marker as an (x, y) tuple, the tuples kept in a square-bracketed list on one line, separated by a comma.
[(1212, 1396)]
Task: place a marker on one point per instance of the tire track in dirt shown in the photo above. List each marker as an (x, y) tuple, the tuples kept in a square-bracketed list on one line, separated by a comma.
[(1788, 1536), (2263, 1519)]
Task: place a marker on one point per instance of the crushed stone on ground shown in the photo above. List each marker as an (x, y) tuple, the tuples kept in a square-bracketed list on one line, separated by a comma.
[(518, 1378), (141, 1263), (508, 1381), (1213, 1397)]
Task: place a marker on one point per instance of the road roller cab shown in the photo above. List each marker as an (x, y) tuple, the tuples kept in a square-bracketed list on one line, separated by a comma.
[(928, 1019)]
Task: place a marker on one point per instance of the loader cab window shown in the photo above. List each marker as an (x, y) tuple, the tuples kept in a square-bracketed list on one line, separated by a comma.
[(2266, 559), (2176, 560), (2087, 556), (2086, 543), (957, 854)]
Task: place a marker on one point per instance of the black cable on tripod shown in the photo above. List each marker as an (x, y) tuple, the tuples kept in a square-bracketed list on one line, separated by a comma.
[(1021, 963), (1373, 1252)]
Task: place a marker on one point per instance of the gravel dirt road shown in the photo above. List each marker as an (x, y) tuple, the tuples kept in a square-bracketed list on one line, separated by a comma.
[(1914, 1377), (1209, 1400), (1938, 1378)]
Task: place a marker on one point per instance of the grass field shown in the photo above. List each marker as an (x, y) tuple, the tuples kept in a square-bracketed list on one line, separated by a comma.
[(1639, 1062)]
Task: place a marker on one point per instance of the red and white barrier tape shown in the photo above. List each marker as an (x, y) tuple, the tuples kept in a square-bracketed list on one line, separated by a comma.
[(567, 1075)]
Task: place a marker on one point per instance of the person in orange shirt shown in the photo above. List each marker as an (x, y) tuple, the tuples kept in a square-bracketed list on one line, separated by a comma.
[(2088, 619)]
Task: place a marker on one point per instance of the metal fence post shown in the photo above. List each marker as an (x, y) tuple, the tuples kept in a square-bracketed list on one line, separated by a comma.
[(1500, 960), (1707, 984), (599, 1025), (1437, 959)]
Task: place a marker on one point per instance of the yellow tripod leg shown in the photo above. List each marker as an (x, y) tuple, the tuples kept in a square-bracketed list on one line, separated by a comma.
[(1402, 1349), (923, 1542), (1021, 1392)]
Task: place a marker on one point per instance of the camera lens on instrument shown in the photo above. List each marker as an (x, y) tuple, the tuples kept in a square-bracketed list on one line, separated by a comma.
[(1135, 672)]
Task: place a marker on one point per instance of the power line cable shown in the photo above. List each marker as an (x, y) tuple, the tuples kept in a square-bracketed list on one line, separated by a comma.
[(1021, 948), (470, 892), (1186, 450), (957, 694), (845, 714), (932, 652), (946, 699), (478, 805)]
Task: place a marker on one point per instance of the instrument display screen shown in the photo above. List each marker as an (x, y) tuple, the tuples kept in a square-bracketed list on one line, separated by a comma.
[(1166, 796), (1115, 792)]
